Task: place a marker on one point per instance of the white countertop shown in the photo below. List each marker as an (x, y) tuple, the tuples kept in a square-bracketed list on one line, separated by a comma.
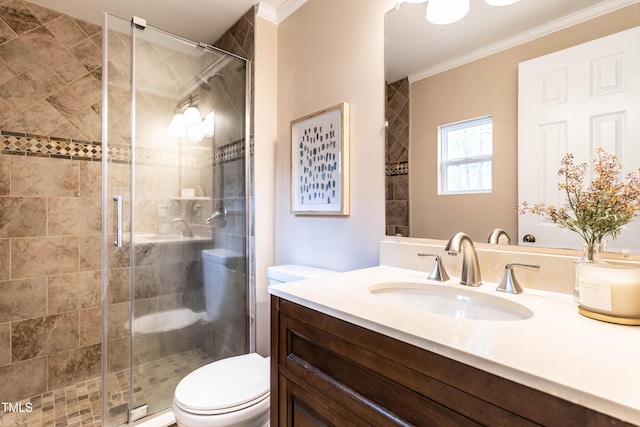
[(558, 351)]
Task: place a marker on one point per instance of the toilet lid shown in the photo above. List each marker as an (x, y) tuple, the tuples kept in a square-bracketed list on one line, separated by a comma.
[(224, 385)]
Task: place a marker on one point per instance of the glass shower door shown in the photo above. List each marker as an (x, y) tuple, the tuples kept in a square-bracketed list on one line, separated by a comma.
[(178, 293)]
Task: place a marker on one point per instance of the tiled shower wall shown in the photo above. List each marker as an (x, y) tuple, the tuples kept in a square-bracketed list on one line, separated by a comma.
[(240, 40), (49, 267), (397, 158), (227, 95), (49, 208), (49, 73)]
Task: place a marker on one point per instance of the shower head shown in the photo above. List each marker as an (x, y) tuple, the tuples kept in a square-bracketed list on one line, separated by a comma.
[(204, 83)]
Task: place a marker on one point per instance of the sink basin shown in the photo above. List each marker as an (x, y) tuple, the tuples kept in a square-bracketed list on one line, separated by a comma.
[(449, 301)]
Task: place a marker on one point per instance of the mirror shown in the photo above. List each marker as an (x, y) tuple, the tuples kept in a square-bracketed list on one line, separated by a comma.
[(463, 80)]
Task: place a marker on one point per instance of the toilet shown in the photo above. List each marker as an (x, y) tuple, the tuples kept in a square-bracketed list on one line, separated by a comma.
[(232, 391)]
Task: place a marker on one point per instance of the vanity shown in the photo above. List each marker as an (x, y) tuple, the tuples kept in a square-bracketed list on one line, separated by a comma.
[(343, 353)]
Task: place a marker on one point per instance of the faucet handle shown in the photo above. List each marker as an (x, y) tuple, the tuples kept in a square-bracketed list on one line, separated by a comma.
[(219, 217), (509, 283), (437, 272)]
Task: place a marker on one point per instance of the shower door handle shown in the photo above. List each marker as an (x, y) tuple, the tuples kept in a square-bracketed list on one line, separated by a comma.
[(118, 241)]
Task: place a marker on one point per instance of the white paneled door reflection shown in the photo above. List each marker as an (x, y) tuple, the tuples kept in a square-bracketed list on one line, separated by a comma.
[(573, 101)]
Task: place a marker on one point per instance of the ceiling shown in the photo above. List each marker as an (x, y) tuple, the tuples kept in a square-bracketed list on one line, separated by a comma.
[(196, 20), (413, 46), (416, 48)]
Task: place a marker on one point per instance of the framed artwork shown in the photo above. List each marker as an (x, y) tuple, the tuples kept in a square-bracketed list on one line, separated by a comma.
[(320, 162)]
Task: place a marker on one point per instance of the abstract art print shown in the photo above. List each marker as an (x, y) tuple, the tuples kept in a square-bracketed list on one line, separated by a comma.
[(320, 162)]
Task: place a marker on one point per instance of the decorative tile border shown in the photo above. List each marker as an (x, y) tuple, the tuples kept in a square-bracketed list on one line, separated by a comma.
[(22, 144), (154, 157), (399, 168), (37, 145), (228, 153), (119, 154)]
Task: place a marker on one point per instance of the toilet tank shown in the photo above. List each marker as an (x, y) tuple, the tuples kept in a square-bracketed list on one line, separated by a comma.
[(292, 272), (223, 283)]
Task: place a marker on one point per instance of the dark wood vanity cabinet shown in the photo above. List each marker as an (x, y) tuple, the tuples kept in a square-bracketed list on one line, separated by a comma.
[(328, 372)]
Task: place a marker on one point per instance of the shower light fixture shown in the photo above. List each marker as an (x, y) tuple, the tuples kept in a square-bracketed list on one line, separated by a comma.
[(177, 126), (442, 12), (208, 124), (189, 124), (192, 116)]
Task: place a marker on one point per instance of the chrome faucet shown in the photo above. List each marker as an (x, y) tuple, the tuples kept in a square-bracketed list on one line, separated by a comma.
[(470, 275), (185, 231), (509, 283), (494, 237), (438, 273)]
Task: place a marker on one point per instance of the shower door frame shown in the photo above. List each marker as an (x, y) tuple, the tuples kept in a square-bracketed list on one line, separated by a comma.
[(249, 264)]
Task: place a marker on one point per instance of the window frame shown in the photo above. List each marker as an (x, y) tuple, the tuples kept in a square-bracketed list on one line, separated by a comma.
[(444, 163)]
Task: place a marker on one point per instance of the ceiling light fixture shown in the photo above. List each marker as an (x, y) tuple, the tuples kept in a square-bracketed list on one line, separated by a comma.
[(442, 12), (501, 2)]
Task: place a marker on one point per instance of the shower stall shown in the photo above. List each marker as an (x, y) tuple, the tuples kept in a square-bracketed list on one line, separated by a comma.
[(124, 169), (175, 129)]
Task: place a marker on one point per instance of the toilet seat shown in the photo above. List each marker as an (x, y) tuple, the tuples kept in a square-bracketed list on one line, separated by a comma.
[(227, 385), (221, 411)]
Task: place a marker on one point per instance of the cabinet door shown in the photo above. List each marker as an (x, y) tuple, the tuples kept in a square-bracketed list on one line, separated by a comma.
[(327, 379), (352, 377), (307, 407)]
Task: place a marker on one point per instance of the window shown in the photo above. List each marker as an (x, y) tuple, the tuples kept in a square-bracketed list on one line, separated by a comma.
[(465, 156)]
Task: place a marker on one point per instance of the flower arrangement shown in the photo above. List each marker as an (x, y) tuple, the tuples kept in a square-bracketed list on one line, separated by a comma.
[(599, 209)]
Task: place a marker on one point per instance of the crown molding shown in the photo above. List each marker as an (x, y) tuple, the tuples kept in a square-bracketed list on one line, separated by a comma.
[(276, 16), (287, 8), (268, 13), (527, 36)]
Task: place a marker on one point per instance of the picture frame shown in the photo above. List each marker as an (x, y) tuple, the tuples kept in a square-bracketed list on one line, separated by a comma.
[(320, 162)]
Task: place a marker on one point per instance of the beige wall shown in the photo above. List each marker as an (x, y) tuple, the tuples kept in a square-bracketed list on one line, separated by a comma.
[(265, 125), (486, 86), (330, 51)]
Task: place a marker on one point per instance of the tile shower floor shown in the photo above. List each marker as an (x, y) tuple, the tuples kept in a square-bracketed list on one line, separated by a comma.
[(80, 404)]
